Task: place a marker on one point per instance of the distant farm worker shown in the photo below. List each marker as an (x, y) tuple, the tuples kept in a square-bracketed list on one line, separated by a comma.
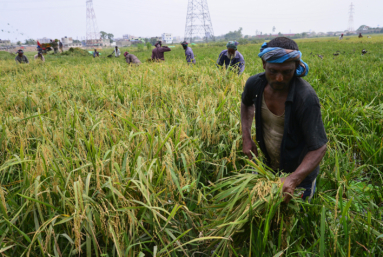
[(231, 58), (55, 46), (95, 53), (341, 37), (158, 51), (61, 46), (116, 52), (40, 56), (21, 58), (360, 35), (131, 59), (288, 122), (188, 52)]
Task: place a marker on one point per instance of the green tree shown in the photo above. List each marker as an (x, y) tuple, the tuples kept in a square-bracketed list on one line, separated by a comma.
[(103, 35), (111, 37), (140, 47), (30, 42), (148, 46), (18, 43), (234, 35), (153, 40)]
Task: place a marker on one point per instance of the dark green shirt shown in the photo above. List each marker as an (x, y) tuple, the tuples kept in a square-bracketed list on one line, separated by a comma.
[(22, 59)]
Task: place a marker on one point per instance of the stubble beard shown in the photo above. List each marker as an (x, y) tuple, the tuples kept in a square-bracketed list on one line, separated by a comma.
[(279, 88)]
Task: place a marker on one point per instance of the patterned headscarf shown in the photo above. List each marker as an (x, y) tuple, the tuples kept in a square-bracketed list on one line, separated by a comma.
[(280, 55), (184, 43), (232, 45), (20, 51), (158, 43), (125, 54)]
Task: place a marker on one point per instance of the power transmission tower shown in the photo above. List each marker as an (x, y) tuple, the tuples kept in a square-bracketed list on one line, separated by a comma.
[(92, 32), (351, 18), (198, 22)]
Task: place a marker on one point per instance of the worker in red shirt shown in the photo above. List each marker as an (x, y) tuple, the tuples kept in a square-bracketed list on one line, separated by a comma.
[(158, 52)]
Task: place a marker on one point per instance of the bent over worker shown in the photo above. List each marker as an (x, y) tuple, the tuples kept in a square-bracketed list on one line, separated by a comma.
[(40, 56), (116, 52), (289, 127), (158, 51), (131, 59), (188, 52), (231, 58), (95, 53)]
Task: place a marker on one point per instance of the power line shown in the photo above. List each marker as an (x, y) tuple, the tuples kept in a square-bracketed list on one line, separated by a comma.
[(92, 32), (198, 22), (351, 18)]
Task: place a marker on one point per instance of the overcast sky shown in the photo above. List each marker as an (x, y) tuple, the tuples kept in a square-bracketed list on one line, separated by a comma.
[(59, 18)]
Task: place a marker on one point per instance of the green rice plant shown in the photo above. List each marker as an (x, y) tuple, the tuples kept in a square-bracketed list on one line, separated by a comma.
[(98, 158), (249, 200)]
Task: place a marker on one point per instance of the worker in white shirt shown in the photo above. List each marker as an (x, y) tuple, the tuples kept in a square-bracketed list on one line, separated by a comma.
[(40, 56), (116, 52)]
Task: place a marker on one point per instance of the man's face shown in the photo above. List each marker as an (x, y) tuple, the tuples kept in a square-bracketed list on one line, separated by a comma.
[(279, 75), (21, 54), (231, 51)]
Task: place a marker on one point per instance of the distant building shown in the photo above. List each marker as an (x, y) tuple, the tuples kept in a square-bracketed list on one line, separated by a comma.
[(124, 42), (167, 38), (68, 42), (44, 40), (105, 42), (5, 45), (128, 37), (156, 39), (5, 42), (176, 39)]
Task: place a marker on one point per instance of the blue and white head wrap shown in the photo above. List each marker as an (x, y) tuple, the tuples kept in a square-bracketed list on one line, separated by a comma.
[(280, 55)]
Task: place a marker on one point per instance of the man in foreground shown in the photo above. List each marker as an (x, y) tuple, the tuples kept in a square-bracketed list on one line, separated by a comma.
[(21, 58), (131, 59), (158, 52), (289, 127), (188, 53), (40, 56), (232, 58)]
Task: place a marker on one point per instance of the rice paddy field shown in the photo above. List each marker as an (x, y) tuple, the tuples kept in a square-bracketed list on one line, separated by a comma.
[(101, 159)]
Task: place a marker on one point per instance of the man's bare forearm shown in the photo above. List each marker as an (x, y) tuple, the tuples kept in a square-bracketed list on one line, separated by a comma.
[(309, 163), (247, 114)]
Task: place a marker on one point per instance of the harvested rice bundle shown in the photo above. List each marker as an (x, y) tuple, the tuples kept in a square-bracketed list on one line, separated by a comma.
[(244, 200)]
